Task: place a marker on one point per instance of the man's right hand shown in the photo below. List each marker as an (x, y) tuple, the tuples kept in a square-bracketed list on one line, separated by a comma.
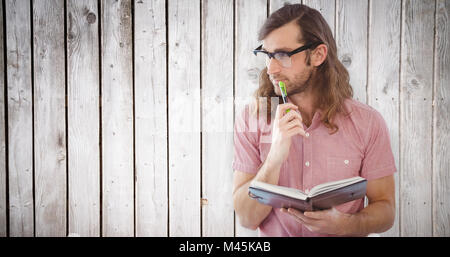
[(285, 126), (249, 211)]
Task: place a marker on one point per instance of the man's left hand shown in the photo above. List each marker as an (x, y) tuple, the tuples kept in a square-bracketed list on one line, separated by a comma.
[(329, 221)]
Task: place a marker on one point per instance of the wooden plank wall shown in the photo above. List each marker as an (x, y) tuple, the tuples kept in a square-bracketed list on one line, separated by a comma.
[(83, 108), (2, 136), (19, 186), (120, 122), (383, 91)]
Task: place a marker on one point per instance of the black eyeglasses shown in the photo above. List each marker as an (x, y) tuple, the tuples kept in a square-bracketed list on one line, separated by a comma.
[(284, 57)]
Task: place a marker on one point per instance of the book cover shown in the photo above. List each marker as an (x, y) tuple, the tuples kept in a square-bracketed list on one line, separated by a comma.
[(321, 197)]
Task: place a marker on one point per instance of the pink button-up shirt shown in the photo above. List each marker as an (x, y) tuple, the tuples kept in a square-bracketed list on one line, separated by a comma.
[(361, 147)]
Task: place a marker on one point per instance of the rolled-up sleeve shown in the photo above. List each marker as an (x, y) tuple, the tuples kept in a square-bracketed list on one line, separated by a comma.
[(378, 158), (246, 151)]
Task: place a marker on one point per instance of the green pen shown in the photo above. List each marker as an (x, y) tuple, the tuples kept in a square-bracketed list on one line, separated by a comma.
[(283, 93)]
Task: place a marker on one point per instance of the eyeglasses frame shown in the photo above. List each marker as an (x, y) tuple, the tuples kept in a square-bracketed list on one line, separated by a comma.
[(298, 50)]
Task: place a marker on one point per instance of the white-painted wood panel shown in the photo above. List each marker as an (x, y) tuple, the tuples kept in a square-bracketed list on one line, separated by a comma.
[(416, 118), (49, 118), (83, 117), (351, 40), (277, 4), (151, 118), (441, 125), (3, 170), (383, 76), (117, 119), (250, 16), (217, 118), (20, 119), (327, 8), (184, 117)]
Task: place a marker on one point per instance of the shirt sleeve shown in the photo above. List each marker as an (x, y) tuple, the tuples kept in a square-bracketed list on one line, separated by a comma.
[(378, 158), (246, 150)]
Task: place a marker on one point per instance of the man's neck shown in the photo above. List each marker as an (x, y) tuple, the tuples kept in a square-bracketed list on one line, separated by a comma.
[(305, 102)]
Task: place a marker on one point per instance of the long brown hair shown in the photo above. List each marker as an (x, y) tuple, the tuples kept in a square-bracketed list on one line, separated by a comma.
[(330, 79)]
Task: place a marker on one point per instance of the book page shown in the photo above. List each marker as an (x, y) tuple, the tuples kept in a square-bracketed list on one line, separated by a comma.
[(286, 191), (330, 186)]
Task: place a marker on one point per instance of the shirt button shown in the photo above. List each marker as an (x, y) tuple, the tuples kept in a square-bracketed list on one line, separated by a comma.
[(346, 161), (307, 134), (307, 164)]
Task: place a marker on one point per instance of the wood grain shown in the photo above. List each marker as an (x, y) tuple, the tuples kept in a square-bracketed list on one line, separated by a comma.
[(351, 40), (184, 118), (151, 118), (83, 117), (328, 10), (441, 136), (20, 119), (49, 118), (277, 4), (217, 118), (3, 194), (383, 76), (250, 16), (117, 119), (416, 118)]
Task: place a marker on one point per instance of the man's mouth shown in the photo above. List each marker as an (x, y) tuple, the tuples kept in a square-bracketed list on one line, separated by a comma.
[(275, 81)]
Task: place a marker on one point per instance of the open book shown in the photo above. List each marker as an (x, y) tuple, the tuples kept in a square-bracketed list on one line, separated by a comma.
[(321, 197)]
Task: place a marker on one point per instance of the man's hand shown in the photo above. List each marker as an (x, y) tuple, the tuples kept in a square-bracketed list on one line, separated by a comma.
[(285, 126), (329, 221), (377, 217)]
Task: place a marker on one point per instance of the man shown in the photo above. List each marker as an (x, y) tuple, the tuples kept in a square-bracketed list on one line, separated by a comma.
[(326, 136)]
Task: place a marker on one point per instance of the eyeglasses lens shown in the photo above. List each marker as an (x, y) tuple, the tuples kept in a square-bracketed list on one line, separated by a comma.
[(282, 59)]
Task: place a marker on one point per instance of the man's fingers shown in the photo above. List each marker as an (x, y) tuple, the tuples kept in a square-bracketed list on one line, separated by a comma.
[(320, 214), (293, 123), (311, 224), (299, 215), (296, 130), (291, 115), (314, 214), (281, 109), (294, 115), (298, 219)]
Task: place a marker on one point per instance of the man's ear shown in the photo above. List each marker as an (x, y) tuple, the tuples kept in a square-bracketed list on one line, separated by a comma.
[(318, 55)]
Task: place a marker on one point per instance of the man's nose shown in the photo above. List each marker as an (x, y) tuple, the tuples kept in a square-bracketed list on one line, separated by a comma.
[(273, 66)]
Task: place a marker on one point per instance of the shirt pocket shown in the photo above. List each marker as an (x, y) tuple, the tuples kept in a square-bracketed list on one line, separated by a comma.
[(343, 167)]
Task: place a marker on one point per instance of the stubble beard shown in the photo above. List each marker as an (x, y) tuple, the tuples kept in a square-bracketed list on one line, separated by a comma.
[(301, 83)]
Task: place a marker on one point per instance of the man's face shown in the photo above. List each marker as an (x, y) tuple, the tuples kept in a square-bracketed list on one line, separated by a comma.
[(297, 75)]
